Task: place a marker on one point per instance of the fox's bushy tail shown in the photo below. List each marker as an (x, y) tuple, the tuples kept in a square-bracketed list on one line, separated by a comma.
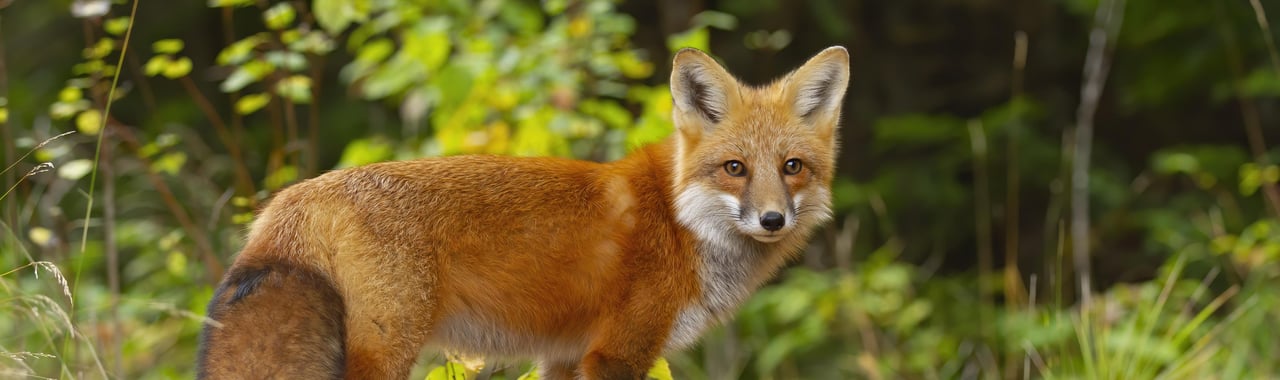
[(273, 320)]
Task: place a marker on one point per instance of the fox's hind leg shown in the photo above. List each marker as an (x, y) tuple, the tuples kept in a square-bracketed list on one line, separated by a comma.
[(391, 309), (273, 320)]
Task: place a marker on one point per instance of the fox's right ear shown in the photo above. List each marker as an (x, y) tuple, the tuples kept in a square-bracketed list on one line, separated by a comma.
[(703, 91)]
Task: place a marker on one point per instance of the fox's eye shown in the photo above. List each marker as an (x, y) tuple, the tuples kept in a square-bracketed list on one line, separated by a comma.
[(735, 168), (792, 166)]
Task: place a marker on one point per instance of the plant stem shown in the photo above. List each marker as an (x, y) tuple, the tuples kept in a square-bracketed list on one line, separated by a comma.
[(1106, 24), (244, 182), (1013, 288)]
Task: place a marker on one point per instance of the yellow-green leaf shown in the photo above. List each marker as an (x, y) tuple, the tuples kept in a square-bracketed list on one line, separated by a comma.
[(169, 163), (279, 16), (448, 371), (238, 52), (116, 26), (281, 177), (100, 49), (531, 375), (252, 103), (335, 15), (177, 68), (296, 89), (177, 264), (40, 236), (247, 73), (69, 94), (661, 370), (428, 42), (89, 122), (4, 115), (167, 46), (156, 65)]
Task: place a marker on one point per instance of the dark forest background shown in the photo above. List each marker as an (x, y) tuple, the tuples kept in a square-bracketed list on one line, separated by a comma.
[(1028, 189)]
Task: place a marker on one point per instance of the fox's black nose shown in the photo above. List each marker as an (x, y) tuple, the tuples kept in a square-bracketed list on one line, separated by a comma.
[(773, 221)]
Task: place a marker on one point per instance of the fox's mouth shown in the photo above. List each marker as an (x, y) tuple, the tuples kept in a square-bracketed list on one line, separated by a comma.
[(772, 237)]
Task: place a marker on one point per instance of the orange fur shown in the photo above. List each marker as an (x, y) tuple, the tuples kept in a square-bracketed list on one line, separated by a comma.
[(594, 269)]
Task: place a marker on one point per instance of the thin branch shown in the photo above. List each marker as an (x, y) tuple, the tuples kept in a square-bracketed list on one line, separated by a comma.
[(1013, 289), (1106, 25)]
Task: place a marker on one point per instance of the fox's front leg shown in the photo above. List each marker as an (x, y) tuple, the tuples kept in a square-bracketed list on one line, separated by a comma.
[(629, 344)]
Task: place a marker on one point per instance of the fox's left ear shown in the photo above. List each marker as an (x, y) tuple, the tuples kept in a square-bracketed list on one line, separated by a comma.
[(818, 87)]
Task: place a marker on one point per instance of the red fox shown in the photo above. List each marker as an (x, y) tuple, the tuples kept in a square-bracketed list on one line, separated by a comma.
[(593, 270)]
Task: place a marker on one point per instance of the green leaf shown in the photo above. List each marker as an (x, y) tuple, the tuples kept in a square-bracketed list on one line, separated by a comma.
[(116, 26), (660, 370), (178, 68), (252, 103), (89, 122), (169, 163), (448, 371), (246, 74), (176, 264), (240, 51), (102, 48), (525, 18), (366, 151), (336, 15), (288, 60), (281, 177), (296, 89), (279, 16), (156, 65), (75, 169), (167, 46), (70, 94), (428, 43), (697, 38)]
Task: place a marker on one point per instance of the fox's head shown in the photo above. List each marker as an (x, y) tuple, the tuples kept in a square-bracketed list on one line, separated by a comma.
[(756, 161)]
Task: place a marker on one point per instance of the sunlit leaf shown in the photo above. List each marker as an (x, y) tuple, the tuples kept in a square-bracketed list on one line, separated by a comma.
[(296, 89), (281, 177), (246, 74), (89, 122), (69, 95), (176, 264), (116, 26), (660, 370), (100, 49), (279, 16), (288, 60), (427, 42), (366, 151), (167, 46), (335, 15), (40, 236), (90, 8), (157, 65), (252, 103), (448, 371), (75, 169), (240, 51), (697, 38), (178, 68), (169, 163)]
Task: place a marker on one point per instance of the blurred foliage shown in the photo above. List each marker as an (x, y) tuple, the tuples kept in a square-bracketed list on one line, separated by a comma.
[(217, 105)]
